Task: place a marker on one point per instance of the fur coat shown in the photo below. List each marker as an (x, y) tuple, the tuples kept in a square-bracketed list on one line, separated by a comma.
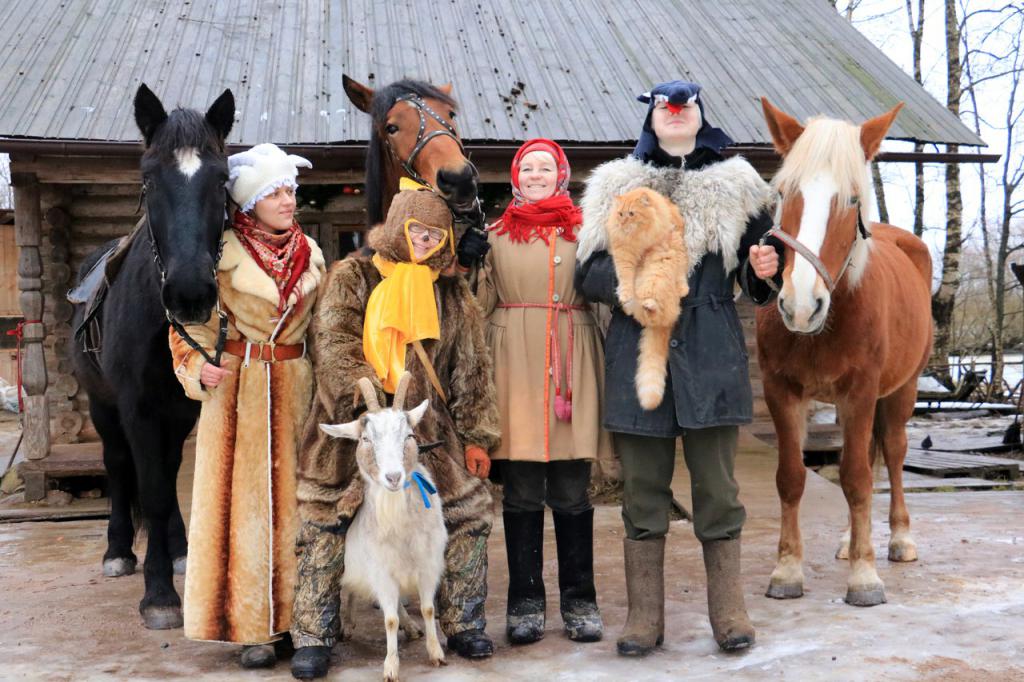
[(240, 574), (723, 205), (330, 489)]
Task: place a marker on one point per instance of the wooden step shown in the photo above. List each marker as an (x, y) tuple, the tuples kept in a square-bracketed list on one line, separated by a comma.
[(950, 464), (64, 461)]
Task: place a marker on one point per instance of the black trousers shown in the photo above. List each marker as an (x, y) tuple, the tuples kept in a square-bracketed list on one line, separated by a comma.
[(561, 485)]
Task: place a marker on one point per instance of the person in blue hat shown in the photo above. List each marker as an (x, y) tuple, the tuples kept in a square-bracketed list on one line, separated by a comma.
[(707, 393)]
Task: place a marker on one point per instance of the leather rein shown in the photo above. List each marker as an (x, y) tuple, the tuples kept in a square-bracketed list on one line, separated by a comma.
[(810, 256)]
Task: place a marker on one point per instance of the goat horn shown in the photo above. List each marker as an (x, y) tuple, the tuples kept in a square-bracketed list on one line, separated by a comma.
[(369, 394), (403, 388)]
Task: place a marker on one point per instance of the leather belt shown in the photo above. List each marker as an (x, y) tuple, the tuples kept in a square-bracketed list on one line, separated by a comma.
[(267, 351)]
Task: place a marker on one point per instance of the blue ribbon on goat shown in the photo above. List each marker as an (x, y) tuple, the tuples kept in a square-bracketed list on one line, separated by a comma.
[(425, 486)]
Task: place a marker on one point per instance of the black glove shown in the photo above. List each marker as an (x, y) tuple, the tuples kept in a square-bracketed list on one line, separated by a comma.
[(472, 247)]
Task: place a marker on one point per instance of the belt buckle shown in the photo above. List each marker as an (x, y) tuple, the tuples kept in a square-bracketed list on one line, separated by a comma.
[(272, 346)]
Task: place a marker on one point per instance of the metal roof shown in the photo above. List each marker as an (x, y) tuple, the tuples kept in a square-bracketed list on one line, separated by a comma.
[(567, 70)]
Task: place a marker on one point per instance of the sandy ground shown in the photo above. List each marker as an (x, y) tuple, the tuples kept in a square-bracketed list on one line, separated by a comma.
[(958, 613)]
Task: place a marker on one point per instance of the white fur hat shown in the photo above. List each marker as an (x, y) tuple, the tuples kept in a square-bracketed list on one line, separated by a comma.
[(260, 171)]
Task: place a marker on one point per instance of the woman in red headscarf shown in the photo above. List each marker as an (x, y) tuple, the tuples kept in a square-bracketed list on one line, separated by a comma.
[(548, 364)]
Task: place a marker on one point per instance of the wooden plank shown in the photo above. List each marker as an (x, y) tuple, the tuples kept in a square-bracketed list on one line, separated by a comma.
[(962, 443), (920, 482), (947, 464), (9, 267), (820, 437)]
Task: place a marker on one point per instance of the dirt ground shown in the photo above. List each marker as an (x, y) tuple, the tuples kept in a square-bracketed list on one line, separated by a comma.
[(958, 613)]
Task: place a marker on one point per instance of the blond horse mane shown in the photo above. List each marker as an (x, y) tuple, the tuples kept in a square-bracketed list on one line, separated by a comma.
[(830, 147)]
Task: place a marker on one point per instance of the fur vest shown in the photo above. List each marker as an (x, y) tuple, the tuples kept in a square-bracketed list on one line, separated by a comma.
[(716, 202)]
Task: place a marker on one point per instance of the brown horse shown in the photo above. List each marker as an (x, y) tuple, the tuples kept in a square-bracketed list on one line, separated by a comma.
[(852, 326), (414, 134)]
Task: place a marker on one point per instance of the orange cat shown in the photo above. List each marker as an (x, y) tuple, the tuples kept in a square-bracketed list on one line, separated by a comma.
[(645, 238)]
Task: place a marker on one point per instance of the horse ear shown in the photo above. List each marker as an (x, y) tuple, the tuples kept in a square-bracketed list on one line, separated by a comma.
[(149, 112), (784, 128), (221, 114), (358, 94), (873, 131), (446, 89)]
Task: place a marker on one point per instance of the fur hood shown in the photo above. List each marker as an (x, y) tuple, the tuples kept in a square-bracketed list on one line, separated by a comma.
[(716, 202), (389, 240)]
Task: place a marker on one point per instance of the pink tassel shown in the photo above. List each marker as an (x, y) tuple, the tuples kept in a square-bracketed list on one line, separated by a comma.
[(563, 408)]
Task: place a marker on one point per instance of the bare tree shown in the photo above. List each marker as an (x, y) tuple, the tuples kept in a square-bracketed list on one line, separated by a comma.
[(944, 299), (916, 29), (1000, 61), (6, 193)]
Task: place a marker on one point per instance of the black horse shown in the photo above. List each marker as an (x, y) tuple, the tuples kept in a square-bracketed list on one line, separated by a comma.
[(167, 273)]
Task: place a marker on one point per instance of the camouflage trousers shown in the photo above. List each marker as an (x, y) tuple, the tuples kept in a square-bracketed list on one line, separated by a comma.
[(460, 596)]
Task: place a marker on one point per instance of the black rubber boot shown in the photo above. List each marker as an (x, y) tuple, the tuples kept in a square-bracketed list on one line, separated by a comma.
[(574, 535), (471, 644), (524, 541), (311, 662)]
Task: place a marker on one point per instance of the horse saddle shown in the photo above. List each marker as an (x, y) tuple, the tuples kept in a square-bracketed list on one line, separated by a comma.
[(92, 290)]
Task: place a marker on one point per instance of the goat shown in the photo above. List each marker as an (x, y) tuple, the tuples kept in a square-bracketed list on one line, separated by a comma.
[(397, 539)]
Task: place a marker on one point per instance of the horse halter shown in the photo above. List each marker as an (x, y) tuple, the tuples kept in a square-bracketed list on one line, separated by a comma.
[(422, 137), (222, 332), (809, 256)]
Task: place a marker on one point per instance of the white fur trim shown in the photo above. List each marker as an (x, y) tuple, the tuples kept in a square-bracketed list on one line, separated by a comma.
[(716, 202)]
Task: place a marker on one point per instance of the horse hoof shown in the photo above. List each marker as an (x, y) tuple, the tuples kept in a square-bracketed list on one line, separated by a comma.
[(162, 617), (866, 596), (179, 565), (902, 553), (785, 591), (116, 568)]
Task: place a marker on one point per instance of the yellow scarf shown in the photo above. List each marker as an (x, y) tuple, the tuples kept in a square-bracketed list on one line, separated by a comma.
[(401, 310)]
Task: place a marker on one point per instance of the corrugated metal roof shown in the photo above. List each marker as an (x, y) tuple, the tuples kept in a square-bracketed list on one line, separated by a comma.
[(567, 70)]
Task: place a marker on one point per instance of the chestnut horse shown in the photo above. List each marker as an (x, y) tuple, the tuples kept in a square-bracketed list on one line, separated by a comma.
[(413, 134), (852, 326)]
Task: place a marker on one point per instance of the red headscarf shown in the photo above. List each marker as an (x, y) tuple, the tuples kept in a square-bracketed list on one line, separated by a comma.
[(284, 257), (524, 220)]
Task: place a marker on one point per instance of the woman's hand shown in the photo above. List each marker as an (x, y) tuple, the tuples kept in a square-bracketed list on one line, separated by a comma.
[(211, 375), (764, 260), (477, 461)]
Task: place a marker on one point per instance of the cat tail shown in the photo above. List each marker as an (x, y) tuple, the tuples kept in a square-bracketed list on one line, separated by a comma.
[(652, 366)]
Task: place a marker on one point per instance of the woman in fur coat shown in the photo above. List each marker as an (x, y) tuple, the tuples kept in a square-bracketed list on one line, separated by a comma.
[(707, 391), (378, 317), (240, 574), (548, 356)]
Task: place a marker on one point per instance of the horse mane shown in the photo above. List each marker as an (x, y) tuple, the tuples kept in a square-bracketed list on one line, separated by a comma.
[(830, 147), (184, 128), (378, 152)]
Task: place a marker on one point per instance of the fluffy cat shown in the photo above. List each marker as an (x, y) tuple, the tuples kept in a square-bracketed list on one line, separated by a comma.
[(645, 239)]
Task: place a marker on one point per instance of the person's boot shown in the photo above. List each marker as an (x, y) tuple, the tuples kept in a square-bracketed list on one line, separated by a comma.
[(574, 536), (258, 656), (311, 662), (524, 541), (471, 644), (728, 613), (645, 590)]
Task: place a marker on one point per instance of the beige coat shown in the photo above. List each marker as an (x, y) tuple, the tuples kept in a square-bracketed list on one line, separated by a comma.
[(240, 575), (539, 273)]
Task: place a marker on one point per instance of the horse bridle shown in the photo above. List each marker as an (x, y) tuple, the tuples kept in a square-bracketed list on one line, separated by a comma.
[(814, 260), (422, 137), (222, 332)]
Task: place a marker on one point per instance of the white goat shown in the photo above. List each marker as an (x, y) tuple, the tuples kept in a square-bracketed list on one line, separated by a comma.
[(397, 539)]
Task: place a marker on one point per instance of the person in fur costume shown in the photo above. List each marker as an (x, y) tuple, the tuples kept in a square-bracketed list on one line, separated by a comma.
[(240, 573), (707, 391), (373, 313), (547, 354)]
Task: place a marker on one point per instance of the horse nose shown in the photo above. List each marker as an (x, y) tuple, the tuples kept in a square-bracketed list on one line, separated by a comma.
[(819, 304), (459, 186), (190, 298), (393, 478), (786, 312)]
